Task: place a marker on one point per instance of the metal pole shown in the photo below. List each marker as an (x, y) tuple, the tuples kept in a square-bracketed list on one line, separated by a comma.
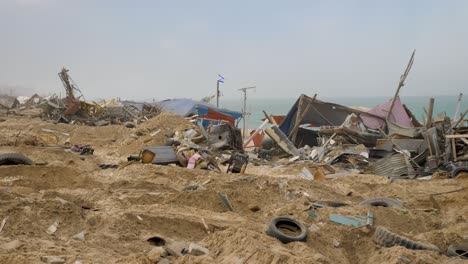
[(244, 90), (217, 93)]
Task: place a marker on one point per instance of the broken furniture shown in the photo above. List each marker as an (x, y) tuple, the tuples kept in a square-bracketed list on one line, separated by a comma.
[(238, 163)]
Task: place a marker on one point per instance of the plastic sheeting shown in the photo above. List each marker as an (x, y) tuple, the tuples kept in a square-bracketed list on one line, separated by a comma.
[(398, 115)]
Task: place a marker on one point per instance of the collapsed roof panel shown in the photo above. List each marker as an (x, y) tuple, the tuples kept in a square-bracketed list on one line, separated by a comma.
[(318, 113), (398, 116)]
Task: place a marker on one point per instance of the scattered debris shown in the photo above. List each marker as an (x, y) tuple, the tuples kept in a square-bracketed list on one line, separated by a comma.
[(83, 150), (205, 225), (225, 200), (80, 236), (158, 155), (177, 249), (53, 260), (356, 221), (238, 163), (197, 250), (225, 137), (2, 225), (52, 228), (108, 166), (314, 228)]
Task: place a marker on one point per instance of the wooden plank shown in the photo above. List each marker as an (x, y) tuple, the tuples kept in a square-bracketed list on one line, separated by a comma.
[(456, 136), (300, 117), (429, 113), (282, 140), (225, 200), (454, 150)]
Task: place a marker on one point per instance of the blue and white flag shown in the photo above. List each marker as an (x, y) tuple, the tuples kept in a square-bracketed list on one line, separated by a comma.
[(220, 78)]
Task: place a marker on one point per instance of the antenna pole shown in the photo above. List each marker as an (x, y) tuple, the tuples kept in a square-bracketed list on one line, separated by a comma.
[(217, 94), (244, 113)]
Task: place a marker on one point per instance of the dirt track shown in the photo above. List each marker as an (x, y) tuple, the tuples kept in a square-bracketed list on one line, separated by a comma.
[(119, 209)]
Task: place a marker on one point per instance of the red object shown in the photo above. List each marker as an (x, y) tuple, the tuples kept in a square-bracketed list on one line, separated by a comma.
[(215, 115), (257, 139), (278, 118)]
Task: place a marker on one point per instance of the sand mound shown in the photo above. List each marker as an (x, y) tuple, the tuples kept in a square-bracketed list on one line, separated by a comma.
[(166, 121)]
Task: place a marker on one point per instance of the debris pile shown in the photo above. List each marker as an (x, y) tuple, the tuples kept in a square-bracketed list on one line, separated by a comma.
[(177, 182)]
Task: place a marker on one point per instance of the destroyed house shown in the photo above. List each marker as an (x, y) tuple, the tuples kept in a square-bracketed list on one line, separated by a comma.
[(302, 123)]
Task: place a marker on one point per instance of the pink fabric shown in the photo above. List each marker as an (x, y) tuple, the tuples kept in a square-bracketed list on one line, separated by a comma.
[(192, 161), (398, 115)]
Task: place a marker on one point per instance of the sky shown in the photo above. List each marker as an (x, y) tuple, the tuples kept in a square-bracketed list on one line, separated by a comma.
[(141, 50)]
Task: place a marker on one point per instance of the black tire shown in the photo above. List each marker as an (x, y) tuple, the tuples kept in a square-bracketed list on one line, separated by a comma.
[(456, 250), (457, 171), (384, 202), (286, 223), (386, 238), (14, 159)]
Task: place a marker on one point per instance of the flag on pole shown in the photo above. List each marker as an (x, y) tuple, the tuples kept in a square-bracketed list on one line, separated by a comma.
[(220, 78)]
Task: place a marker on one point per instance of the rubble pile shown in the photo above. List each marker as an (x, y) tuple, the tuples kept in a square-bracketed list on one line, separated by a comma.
[(177, 182)]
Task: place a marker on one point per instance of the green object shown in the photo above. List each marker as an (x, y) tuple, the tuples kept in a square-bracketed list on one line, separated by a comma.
[(223, 198), (356, 221), (313, 214), (317, 205)]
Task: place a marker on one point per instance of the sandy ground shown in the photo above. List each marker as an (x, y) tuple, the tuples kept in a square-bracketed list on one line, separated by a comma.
[(119, 209)]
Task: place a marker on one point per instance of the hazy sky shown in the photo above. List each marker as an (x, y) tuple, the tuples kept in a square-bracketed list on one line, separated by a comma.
[(167, 49)]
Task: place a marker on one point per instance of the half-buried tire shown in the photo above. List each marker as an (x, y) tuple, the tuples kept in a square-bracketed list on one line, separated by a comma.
[(286, 229), (384, 202), (386, 238), (14, 159), (456, 250)]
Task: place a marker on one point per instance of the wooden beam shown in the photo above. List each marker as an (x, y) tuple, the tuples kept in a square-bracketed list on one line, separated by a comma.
[(429, 113), (457, 136), (300, 118), (401, 84)]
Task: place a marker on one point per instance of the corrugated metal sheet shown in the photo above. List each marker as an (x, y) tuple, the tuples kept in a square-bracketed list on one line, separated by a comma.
[(398, 115), (394, 166), (163, 155)]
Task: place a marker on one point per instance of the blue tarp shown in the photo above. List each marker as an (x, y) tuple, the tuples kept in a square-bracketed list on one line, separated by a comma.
[(187, 107)]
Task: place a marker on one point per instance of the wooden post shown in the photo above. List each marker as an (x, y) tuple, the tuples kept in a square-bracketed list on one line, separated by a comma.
[(300, 117), (401, 84), (454, 150), (269, 118), (457, 108), (429, 113)]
